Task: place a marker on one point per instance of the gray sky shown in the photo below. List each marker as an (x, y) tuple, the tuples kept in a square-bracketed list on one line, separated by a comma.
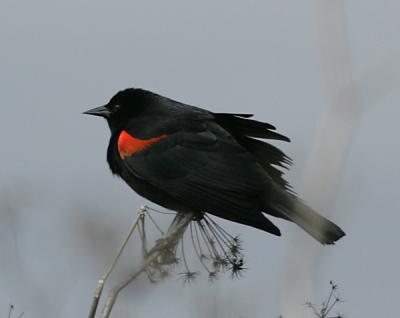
[(58, 223)]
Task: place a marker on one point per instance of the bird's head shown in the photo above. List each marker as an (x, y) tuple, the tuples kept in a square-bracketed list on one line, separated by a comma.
[(123, 106)]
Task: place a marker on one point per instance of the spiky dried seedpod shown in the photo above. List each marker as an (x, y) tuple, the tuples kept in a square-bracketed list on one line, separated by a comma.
[(188, 276), (216, 249), (237, 267)]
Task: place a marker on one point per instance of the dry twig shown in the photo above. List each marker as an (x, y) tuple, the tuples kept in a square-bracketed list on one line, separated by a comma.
[(168, 242), (327, 306), (215, 248)]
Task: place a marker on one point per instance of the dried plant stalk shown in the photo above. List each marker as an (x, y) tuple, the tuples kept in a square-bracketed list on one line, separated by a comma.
[(167, 243), (172, 237), (103, 279), (216, 249)]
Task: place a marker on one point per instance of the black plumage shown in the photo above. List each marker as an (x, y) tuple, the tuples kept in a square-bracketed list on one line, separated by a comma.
[(189, 159)]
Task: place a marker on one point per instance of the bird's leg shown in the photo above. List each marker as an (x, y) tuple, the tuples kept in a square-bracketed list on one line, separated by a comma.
[(171, 238), (102, 280)]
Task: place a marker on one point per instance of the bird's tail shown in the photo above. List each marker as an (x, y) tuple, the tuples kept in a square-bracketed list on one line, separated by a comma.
[(290, 207)]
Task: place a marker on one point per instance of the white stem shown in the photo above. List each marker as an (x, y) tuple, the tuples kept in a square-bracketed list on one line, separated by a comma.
[(172, 237), (103, 279)]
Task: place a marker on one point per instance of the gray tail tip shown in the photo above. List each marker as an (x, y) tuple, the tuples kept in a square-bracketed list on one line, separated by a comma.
[(331, 235)]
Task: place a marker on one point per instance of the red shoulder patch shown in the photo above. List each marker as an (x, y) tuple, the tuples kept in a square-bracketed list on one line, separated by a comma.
[(129, 145)]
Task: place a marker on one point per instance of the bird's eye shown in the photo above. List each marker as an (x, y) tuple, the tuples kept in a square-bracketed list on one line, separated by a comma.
[(116, 107)]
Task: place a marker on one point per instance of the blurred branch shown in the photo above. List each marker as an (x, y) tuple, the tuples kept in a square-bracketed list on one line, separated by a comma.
[(330, 147), (11, 310)]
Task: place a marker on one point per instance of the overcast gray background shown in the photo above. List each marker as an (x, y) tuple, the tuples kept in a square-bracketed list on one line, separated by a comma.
[(62, 214)]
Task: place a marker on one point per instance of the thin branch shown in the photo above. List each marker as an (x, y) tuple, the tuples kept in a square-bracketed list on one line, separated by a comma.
[(171, 239), (103, 279), (224, 253)]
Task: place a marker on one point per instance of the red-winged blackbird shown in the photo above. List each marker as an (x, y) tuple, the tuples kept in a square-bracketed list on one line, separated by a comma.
[(188, 159)]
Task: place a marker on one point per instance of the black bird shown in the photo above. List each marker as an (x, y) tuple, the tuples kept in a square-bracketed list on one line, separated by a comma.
[(189, 159)]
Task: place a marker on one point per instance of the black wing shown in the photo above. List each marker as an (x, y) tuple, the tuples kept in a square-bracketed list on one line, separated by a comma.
[(245, 131), (207, 170)]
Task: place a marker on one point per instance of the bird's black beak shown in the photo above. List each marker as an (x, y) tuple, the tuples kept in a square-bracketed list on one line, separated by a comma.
[(101, 111)]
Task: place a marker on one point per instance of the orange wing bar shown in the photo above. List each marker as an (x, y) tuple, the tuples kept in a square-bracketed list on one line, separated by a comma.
[(129, 145)]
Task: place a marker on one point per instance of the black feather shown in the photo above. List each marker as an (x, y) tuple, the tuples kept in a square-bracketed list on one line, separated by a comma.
[(248, 127), (266, 154)]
